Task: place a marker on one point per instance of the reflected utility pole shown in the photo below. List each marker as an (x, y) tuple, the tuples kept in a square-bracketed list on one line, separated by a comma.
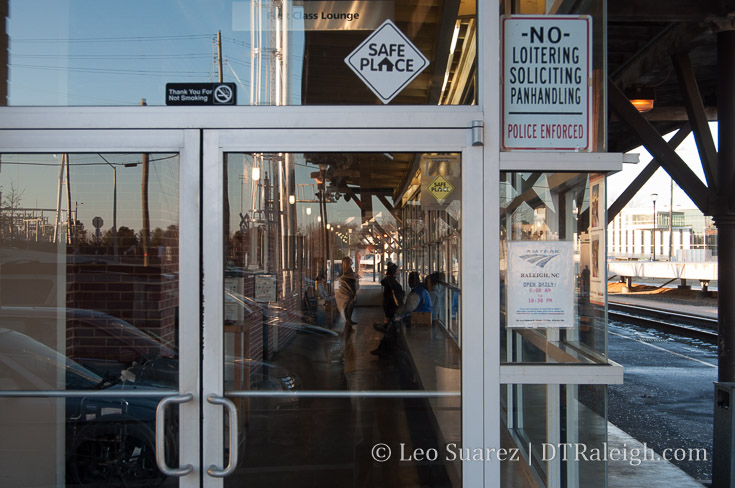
[(144, 196), (114, 207)]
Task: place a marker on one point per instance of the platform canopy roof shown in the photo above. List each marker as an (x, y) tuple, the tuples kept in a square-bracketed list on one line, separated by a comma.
[(643, 36), (668, 47)]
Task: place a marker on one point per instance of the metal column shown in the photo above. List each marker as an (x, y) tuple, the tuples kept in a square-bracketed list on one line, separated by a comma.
[(725, 217), (723, 472)]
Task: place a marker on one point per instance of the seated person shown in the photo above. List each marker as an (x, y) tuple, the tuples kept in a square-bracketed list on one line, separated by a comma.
[(437, 291), (418, 300)]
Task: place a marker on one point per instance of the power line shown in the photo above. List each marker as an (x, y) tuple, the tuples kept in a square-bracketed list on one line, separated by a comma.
[(110, 70), (32, 163), (111, 56), (111, 39)]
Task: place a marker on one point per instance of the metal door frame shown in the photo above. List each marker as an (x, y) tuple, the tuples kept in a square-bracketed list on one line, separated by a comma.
[(187, 144), (201, 136), (453, 139)]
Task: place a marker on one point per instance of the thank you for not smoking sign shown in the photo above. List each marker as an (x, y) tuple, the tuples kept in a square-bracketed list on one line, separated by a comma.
[(547, 88), (201, 94), (387, 61)]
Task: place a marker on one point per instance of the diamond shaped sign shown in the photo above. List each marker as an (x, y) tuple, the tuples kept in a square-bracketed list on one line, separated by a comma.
[(387, 61), (440, 188)]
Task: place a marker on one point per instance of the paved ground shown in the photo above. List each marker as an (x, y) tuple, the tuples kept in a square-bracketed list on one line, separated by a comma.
[(687, 301), (667, 398)]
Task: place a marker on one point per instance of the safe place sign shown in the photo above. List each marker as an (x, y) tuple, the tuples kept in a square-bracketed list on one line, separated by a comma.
[(547, 83), (387, 61)]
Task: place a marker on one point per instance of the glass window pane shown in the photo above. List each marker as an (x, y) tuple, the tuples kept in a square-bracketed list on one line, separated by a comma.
[(553, 267), (557, 432), (336, 286), (88, 303), (85, 52)]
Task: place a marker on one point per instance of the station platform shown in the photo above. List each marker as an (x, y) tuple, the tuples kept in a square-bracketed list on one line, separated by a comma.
[(691, 302), (622, 474), (434, 356), (432, 363)]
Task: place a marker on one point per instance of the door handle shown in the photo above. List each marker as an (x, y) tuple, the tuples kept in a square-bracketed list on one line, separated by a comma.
[(213, 470), (161, 436)]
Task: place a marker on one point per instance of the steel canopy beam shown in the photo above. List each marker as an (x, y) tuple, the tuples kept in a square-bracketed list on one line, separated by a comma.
[(702, 197), (697, 117), (672, 39), (644, 175)]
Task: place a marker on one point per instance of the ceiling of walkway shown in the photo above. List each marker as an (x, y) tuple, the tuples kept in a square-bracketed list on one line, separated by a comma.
[(643, 37)]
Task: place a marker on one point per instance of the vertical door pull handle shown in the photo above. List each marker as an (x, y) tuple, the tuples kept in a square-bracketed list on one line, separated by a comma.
[(161, 436), (213, 470)]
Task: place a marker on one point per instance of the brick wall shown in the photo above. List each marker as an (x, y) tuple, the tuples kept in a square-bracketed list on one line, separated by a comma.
[(145, 297)]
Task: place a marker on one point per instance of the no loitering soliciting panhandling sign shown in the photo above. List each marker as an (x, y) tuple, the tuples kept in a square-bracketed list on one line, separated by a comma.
[(547, 83)]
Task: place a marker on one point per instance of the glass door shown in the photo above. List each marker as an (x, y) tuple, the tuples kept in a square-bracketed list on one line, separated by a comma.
[(336, 323), (99, 327)]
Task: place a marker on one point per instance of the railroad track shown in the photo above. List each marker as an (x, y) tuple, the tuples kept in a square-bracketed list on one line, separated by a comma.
[(696, 326)]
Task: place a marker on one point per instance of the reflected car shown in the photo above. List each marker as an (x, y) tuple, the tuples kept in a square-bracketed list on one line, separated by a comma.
[(110, 441), (104, 344)]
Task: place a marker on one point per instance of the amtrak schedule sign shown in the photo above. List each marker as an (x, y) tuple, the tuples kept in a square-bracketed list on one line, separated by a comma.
[(540, 284), (547, 83)]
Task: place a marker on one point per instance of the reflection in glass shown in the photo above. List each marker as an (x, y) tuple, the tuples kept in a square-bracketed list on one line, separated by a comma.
[(88, 302), (546, 215), (562, 208), (84, 52), (542, 421), (299, 228)]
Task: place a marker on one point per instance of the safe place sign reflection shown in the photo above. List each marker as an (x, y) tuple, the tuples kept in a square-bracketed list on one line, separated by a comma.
[(387, 61)]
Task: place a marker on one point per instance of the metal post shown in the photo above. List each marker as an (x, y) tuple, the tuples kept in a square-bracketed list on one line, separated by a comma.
[(653, 231), (722, 462), (671, 222), (726, 220)]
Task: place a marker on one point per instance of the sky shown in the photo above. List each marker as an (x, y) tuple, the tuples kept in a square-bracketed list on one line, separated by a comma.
[(102, 52)]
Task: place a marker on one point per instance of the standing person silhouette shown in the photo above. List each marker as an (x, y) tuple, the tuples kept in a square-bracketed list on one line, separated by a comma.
[(392, 292), (346, 293)]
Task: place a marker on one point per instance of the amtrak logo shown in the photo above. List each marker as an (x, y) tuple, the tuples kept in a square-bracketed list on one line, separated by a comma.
[(540, 259)]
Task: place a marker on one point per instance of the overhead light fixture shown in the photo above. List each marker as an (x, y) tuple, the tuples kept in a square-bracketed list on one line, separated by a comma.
[(308, 210), (256, 173), (641, 97), (291, 199)]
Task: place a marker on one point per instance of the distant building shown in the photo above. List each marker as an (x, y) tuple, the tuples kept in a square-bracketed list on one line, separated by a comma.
[(690, 237)]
